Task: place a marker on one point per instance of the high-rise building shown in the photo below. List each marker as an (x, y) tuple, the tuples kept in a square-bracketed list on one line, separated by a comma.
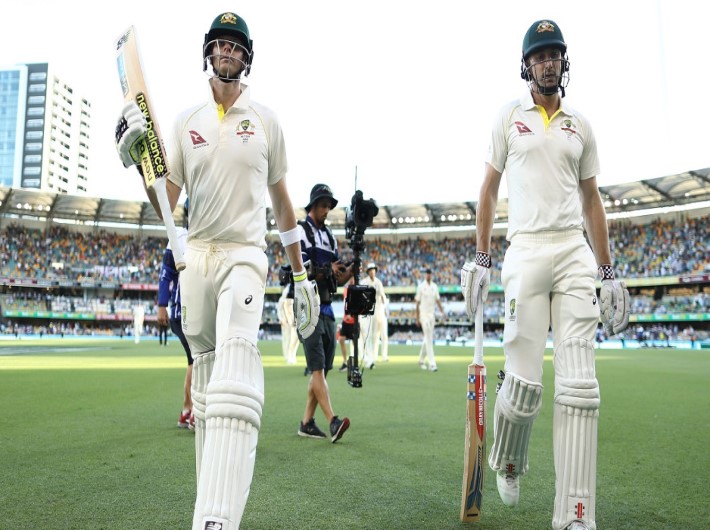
[(44, 131)]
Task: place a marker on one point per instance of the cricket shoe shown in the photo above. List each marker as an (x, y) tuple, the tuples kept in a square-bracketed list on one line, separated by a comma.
[(433, 369), (423, 366), (508, 487), (577, 525), (343, 368), (338, 428), (184, 419), (310, 430)]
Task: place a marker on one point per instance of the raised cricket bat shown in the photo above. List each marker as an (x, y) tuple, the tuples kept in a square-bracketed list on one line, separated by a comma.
[(475, 441), (154, 162)]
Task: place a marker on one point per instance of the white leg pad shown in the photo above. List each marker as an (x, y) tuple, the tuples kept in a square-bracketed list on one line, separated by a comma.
[(576, 414), (235, 397), (201, 373), (517, 405)]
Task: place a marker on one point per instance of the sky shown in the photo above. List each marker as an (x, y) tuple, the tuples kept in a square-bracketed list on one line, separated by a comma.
[(404, 91)]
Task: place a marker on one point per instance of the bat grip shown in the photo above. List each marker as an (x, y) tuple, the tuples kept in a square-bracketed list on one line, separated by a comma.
[(161, 193), (478, 330)]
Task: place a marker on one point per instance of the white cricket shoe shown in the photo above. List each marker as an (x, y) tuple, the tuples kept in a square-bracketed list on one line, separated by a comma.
[(508, 487), (577, 525)]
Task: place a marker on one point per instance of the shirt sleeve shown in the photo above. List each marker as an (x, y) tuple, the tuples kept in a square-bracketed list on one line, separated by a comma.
[(589, 161), (278, 165), (498, 146), (174, 155)]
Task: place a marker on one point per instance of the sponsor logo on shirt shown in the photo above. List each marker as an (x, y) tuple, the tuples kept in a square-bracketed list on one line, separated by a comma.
[(197, 140), (523, 129)]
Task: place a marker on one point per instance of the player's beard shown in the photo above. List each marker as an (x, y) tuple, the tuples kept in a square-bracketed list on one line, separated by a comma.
[(228, 71), (544, 86)]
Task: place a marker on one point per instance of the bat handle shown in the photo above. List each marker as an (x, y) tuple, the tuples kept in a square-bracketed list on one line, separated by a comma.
[(161, 193), (478, 330)]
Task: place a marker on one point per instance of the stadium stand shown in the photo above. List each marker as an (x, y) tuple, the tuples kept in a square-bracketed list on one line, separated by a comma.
[(74, 265)]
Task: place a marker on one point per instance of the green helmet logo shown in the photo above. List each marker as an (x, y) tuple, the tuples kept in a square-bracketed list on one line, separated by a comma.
[(543, 34)]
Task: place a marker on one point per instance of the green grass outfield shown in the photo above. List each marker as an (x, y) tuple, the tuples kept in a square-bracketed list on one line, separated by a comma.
[(88, 440)]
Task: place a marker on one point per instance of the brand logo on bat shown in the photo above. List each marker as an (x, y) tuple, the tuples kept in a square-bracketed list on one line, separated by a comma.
[(153, 143)]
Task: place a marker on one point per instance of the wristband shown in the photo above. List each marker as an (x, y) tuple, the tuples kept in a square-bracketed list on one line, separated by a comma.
[(289, 237), (606, 272), (300, 276), (483, 259)]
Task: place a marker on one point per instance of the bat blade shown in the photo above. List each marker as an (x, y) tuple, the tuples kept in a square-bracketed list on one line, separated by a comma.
[(474, 445), (154, 163), (475, 440)]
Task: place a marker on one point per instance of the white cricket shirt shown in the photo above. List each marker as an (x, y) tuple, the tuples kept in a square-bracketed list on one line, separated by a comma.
[(427, 294), (225, 164), (544, 161)]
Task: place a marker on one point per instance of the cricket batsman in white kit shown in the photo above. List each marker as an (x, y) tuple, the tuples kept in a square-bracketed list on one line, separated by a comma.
[(549, 154), (227, 152)]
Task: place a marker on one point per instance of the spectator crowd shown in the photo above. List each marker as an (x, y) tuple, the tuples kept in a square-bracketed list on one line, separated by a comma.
[(663, 247)]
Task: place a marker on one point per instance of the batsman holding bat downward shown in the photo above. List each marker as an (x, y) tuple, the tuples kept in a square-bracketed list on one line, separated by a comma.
[(226, 153), (548, 152)]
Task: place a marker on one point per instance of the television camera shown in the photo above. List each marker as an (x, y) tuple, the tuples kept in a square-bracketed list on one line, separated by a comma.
[(360, 299)]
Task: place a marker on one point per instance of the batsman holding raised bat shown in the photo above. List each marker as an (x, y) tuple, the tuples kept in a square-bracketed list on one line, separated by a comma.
[(226, 153), (548, 152)]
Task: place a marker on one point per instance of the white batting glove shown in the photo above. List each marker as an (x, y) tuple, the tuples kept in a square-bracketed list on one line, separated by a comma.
[(475, 280), (614, 301), (306, 304), (130, 129)]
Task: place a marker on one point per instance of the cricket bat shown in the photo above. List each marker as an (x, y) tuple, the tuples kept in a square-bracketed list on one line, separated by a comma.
[(475, 441), (154, 162)]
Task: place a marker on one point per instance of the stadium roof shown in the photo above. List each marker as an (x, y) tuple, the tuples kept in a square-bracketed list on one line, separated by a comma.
[(673, 190)]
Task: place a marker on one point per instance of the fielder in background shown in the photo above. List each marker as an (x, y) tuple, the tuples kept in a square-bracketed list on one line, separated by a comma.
[(549, 155), (289, 337), (227, 152), (138, 318), (170, 314), (427, 299), (320, 250), (377, 332)]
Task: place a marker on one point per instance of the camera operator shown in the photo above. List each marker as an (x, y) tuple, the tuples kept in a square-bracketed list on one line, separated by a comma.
[(320, 249)]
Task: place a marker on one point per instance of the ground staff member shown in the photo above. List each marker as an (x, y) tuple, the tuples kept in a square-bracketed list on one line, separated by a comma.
[(549, 154), (226, 153)]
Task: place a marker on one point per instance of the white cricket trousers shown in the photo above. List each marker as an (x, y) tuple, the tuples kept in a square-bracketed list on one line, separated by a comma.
[(427, 349), (222, 290), (377, 336), (548, 280)]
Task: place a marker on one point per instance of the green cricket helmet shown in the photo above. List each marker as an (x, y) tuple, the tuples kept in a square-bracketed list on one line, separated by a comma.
[(544, 34), (229, 24)]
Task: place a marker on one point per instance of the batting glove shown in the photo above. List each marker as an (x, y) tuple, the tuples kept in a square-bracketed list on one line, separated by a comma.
[(475, 281), (306, 304), (130, 130), (614, 301)]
